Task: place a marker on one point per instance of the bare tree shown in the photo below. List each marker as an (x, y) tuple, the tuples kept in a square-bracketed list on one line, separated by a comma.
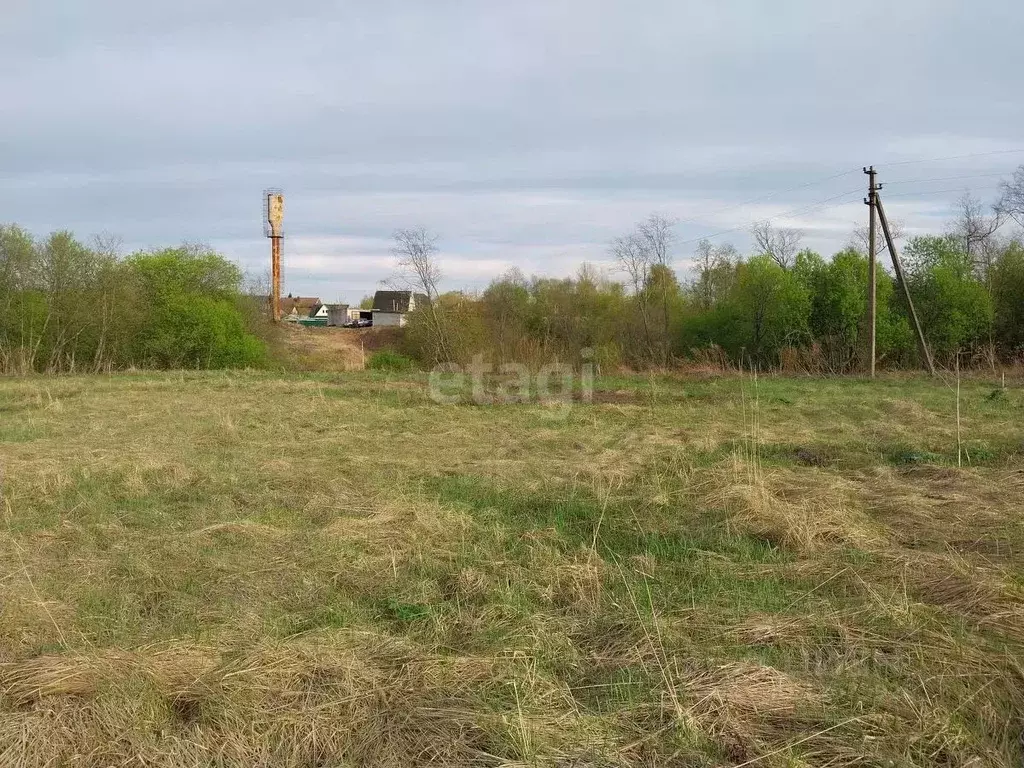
[(108, 244), (711, 264), (779, 244), (657, 234), (419, 271), (416, 252), (1011, 201), (859, 238), (633, 258), (977, 230), (704, 255), (640, 254)]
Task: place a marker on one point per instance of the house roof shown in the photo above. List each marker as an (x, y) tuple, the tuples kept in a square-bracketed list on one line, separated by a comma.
[(396, 301), (302, 305)]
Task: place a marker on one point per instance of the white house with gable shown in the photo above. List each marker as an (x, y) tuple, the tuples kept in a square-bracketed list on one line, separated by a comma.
[(390, 308)]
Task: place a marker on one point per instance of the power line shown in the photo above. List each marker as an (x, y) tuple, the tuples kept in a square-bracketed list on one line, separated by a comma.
[(841, 174), (821, 204), (815, 206), (926, 192), (825, 203), (945, 178), (957, 157), (770, 195)]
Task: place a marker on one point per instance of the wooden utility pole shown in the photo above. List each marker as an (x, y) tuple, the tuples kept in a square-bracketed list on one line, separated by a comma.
[(922, 345), (870, 201)]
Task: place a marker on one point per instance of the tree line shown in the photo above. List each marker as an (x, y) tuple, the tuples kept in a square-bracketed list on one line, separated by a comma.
[(778, 306), (67, 307)]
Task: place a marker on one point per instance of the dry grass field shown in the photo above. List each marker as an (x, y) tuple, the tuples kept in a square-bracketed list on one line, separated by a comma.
[(313, 570)]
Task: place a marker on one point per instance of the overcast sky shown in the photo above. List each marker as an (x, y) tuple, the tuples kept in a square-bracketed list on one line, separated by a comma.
[(525, 133)]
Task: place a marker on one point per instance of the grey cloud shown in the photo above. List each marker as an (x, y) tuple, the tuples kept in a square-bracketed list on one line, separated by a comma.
[(525, 133)]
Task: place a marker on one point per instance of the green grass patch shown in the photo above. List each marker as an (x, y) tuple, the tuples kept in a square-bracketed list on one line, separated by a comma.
[(393, 362)]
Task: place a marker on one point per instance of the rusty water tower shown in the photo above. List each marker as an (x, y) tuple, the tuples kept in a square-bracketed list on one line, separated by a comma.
[(273, 227)]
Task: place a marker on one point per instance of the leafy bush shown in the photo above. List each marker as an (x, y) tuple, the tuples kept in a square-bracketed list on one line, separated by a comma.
[(65, 307), (194, 319), (1008, 300), (954, 306), (386, 360)]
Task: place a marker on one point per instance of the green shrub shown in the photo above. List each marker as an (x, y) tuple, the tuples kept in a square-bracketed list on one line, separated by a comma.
[(192, 331), (192, 315), (386, 360), (65, 307)]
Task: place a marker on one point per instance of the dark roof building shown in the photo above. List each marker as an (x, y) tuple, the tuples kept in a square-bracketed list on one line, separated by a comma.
[(398, 301)]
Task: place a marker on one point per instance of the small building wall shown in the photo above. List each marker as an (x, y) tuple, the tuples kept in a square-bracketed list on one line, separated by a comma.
[(337, 314), (384, 319)]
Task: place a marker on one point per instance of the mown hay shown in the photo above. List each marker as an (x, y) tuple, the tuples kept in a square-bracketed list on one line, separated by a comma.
[(369, 702), (795, 510), (746, 698)]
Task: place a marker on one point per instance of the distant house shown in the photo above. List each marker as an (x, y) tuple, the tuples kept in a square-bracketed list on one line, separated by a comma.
[(296, 307), (392, 307)]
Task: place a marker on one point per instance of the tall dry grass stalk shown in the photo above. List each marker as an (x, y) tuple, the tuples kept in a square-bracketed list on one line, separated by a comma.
[(959, 442)]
